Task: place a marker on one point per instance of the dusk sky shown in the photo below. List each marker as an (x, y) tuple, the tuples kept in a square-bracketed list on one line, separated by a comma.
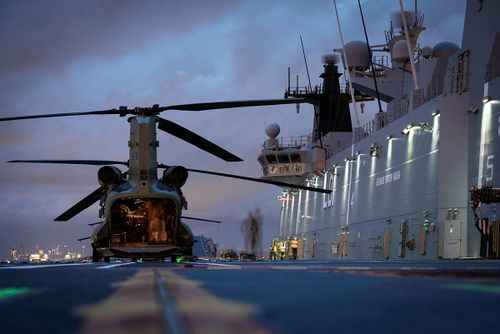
[(64, 56)]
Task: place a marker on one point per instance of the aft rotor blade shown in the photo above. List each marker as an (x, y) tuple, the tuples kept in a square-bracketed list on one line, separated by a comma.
[(276, 183), (82, 205), (230, 104), (97, 112), (202, 219), (253, 179), (180, 132), (73, 162), (98, 223), (81, 239)]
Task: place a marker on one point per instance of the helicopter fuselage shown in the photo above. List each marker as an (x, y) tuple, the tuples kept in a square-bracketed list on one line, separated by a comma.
[(142, 214)]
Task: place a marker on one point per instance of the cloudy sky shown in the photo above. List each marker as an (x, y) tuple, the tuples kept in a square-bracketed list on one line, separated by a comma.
[(62, 56)]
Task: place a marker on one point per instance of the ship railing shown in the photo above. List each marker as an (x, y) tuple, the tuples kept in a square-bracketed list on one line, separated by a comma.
[(457, 80), (295, 142), (493, 69), (389, 35), (399, 110), (337, 146), (433, 89), (380, 120), (381, 61), (459, 74), (306, 90)]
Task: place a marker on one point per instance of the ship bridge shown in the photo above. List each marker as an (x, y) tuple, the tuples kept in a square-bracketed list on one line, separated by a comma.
[(288, 159)]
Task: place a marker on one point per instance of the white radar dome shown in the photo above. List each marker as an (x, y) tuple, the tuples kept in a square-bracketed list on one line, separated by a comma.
[(399, 52), (427, 51), (357, 54), (444, 49), (273, 130)]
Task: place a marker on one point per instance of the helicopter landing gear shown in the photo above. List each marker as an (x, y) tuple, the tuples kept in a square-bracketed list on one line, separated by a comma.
[(95, 256)]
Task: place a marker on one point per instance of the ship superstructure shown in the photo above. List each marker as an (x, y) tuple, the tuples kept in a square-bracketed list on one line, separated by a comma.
[(401, 183)]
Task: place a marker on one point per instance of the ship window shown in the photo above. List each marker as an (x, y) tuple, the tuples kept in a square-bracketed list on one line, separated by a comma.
[(283, 158), (295, 157), (271, 158)]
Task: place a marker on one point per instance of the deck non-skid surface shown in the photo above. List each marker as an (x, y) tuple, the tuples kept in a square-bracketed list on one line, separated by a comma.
[(251, 297)]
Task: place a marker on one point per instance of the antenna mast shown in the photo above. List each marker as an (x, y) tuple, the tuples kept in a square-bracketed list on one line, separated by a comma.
[(371, 58), (305, 61), (346, 69), (410, 46)]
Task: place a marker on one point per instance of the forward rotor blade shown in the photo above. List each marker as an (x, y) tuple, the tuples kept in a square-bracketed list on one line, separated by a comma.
[(253, 179), (202, 219), (180, 132), (73, 162), (122, 111), (231, 104), (97, 112), (98, 223), (81, 239), (82, 205)]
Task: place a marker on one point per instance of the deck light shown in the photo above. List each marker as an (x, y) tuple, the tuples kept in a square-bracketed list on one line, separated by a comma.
[(407, 129), (426, 127)]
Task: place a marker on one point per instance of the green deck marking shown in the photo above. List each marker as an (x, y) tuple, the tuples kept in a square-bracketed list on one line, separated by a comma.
[(476, 287), (9, 292)]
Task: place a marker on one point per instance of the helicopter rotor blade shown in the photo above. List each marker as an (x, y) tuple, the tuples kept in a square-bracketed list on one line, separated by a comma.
[(98, 223), (230, 104), (180, 132), (81, 239), (276, 183), (73, 162), (82, 205), (97, 112), (202, 219), (253, 179), (123, 111)]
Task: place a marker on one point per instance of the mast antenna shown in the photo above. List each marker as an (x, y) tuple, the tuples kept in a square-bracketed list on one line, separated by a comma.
[(346, 64), (371, 58), (305, 61), (316, 117), (410, 46)]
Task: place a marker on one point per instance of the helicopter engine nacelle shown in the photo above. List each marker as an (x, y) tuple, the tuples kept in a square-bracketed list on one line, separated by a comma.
[(109, 175), (175, 176)]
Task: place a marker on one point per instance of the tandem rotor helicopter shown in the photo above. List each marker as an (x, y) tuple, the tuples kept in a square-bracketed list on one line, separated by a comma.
[(142, 212)]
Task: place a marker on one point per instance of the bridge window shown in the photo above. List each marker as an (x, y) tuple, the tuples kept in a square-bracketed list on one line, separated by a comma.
[(283, 158), (271, 158), (295, 157)]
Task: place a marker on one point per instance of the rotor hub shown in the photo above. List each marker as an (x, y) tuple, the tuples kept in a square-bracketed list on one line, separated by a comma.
[(140, 111)]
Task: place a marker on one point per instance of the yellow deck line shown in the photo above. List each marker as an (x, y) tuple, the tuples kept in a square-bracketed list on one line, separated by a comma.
[(135, 307)]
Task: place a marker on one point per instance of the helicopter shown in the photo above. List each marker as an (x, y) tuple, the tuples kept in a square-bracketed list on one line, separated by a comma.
[(142, 212)]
